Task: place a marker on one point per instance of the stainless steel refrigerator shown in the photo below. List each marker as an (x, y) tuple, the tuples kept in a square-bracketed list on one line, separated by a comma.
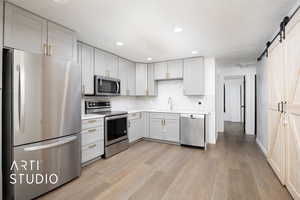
[(41, 122)]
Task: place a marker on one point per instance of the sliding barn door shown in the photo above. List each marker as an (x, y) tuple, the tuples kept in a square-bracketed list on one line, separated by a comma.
[(276, 93), (292, 79)]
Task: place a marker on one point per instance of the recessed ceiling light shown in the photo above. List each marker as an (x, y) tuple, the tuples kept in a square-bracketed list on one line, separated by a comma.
[(61, 1), (119, 43), (194, 52), (149, 59), (178, 29)]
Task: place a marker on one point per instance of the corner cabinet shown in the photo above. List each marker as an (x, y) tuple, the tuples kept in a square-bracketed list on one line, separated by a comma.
[(194, 76), (136, 126), (127, 77), (86, 60), (28, 32), (106, 64)]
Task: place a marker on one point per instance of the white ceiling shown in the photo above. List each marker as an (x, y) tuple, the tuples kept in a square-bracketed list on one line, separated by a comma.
[(226, 29)]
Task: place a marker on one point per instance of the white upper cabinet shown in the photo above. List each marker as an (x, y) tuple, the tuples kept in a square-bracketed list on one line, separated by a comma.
[(86, 59), (106, 64), (151, 83), (131, 75), (160, 70), (168, 70), (28, 32), (194, 76), (175, 69), (24, 31), (141, 79), (127, 77), (61, 42)]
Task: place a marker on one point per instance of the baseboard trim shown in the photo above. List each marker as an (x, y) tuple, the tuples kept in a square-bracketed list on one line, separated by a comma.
[(261, 146)]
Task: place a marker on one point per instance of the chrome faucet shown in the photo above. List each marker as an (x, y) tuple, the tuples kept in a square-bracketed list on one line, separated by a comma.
[(170, 103)]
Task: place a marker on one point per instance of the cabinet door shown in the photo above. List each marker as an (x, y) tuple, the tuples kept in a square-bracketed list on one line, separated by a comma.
[(111, 62), (172, 130), (156, 129), (141, 79), (292, 83), (160, 71), (23, 30), (151, 83), (106, 64), (61, 41), (194, 76), (131, 78), (123, 76), (87, 68), (100, 65), (132, 130), (175, 69)]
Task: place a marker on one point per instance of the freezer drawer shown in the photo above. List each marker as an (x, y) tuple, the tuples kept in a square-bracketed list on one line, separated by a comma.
[(192, 130), (58, 156)]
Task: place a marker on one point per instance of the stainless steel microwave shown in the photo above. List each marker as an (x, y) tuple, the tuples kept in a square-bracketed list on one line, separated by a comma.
[(106, 86)]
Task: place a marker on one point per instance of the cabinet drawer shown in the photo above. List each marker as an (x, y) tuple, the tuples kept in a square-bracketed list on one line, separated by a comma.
[(156, 115), (91, 135), (172, 116), (134, 116), (92, 123), (92, 151)]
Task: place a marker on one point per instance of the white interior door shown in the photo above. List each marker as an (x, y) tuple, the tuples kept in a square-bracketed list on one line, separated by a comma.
[(292, 52), (276, 137), (233, 100)]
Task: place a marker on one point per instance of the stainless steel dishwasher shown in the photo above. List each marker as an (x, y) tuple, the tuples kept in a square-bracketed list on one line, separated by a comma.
[(193, 130)]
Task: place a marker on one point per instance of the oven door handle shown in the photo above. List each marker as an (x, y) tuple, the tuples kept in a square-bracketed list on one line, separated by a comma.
[(115, 117), (118, 86)]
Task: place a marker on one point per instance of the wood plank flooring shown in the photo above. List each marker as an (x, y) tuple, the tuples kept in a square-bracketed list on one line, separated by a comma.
[(234, 169)]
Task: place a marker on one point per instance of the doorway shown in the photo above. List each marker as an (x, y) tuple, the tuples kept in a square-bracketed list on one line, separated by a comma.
[(235, 100)]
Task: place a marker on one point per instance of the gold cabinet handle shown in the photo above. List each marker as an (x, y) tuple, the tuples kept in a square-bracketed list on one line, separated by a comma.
[(92, 121), (92, 146), (92, 130)]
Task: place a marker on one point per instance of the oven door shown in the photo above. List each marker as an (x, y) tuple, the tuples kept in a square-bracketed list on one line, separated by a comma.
[(115, 129), (105, 86)]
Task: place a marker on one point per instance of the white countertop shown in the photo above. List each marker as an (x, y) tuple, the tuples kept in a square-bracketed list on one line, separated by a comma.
[(170, 111), (91, 116)]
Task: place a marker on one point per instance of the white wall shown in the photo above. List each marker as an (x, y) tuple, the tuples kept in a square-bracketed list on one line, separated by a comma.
[(249, 72)]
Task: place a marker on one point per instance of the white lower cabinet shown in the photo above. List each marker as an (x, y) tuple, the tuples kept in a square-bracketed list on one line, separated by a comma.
[(136, 126), (92, 151), (92, 139), (164, 126)]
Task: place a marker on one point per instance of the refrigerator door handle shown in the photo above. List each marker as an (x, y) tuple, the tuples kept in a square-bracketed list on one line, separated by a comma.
[(47, 146), (22, 91)]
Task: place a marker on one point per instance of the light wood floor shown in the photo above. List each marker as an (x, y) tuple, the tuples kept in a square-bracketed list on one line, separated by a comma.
[(234, 169)]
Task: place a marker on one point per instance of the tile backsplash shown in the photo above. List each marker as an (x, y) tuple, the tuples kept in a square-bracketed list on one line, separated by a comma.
[(166, 89)]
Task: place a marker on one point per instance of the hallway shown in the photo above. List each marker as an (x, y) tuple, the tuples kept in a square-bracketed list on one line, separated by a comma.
[(234, 169)]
